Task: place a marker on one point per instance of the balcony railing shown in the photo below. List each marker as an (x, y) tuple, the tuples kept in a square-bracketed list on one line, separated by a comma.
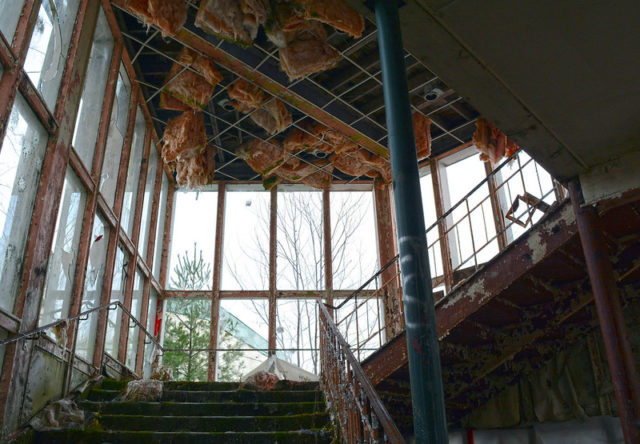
[(497, 211)]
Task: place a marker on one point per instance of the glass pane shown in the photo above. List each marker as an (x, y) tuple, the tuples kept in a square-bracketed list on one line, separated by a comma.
[(430, 217), (11, 11), (192, 240), (49, 45), (85, 342), (149, 346), (297, 333), (300, 241), (246, 241), (162, 217), (115, 138), (353, 239), (64, 250), (133, 174), (136, 311), (242, 337), (149, 188), (21, 156), (187, 328), (95, 82), (118, 286)]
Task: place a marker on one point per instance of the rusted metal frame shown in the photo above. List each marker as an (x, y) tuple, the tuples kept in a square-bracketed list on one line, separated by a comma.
[(142, 337), (191, 40), (496, 208), (218, 251), (128, 298), (328, 257), (31, 94), (13, 73), (142, 182), (273, 249), (263, 294), (44, 216), (166, 239), (155, 207), (387, 251), (9, 322), (445, 249), (339, 350), (624, 373), (7, 59)]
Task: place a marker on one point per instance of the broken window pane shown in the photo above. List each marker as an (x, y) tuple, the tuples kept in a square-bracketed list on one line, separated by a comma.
[(115, 138), (64, 251), (11, 12), (187, 328), (353, 239), (85, 342), (149, 346), (21, 156), (246, 241), (162, 217), (192, 240), (133, 174), (149, 188), (48, 47), (300, 241), (118, 286), (242, 337), (95, 82), (136, 311), (297, 333)]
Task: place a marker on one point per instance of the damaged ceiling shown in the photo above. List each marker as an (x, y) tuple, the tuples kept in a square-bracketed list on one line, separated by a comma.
[(347, 98)]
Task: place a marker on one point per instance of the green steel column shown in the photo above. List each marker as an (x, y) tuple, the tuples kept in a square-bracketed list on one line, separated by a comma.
[(429, 417)]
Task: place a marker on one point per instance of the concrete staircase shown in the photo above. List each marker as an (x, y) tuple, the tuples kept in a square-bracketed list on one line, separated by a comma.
[(199, 412)]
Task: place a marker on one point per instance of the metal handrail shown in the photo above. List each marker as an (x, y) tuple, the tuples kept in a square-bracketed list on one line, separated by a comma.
[(382, 418)]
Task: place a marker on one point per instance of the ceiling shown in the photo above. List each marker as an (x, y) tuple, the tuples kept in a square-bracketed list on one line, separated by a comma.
[(560, 78), (348, 98)]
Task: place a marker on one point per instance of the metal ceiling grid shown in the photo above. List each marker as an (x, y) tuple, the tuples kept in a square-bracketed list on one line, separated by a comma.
[(351, 92)]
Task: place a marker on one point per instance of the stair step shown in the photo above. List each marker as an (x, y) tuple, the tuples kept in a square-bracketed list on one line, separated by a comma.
[(202, 408), (215, 423), (227, 386), (98, 394), (77, 436), (113, 384), (241, 395)]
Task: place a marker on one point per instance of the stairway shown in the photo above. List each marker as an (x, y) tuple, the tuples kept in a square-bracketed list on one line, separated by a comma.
[(199, 412)]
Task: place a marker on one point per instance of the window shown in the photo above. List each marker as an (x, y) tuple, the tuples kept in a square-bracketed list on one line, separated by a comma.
[(242, 336), (162, 217), (64, 250), (300, 241), (95, 82), (21, 156), (48, 48), (149, 346), (192, 240), (246, 241), (186, 328), (118, 286), (136, 311), (472, 227), (430, 217), (353, 238), (297, 333), (11, 12), (149, 188), (85, 342), (133, 174), (115, 138)]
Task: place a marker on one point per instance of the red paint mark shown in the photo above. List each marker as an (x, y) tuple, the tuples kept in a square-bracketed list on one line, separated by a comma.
[(416, 346), (469, 436), (99, 238)]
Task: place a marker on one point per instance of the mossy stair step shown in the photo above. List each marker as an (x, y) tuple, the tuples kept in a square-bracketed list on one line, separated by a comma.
[(303, 421), (118, 437), (202, 408), (228, 386), (241, 395)]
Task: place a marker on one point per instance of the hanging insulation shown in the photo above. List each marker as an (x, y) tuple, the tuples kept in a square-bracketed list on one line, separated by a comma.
[(422, 133), (167, 15), (273, 116), (492, 143), (261, 156), (197, 171), (335, 13), (184, 136), (308, 52), (245, 96), (224, 19)]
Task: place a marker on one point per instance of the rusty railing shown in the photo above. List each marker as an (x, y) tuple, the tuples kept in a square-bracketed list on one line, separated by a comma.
[(354, 402), (498, 210)]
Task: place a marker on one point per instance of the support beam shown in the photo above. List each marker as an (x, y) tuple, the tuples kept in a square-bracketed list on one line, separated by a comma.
[(427, 394), (273, 245), (624, 374), (328, 253), (214, 327)]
